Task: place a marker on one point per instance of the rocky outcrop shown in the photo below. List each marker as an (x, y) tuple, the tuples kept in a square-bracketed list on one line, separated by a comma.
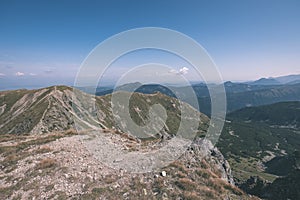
[(205, 149)]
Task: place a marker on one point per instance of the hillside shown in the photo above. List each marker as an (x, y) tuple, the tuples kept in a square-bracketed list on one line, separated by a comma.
[(284, 114), (54, 109), (262, 141), (263, 97)]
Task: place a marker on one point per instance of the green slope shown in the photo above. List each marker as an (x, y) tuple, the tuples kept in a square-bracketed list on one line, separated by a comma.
[(257, 139)]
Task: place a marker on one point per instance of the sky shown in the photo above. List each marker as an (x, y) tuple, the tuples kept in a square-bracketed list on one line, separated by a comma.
[(44, 42)]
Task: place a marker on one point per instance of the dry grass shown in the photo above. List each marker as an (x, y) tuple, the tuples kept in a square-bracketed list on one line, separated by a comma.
[(12, 137), (46, 163), (71, 132), (14, 152), (204, 164), (215, 184), (207, 193), (44, 149), (191, 195), (231, 188), (180, 166), (108, 179), (186, 184), (205, 173), (181, 174)]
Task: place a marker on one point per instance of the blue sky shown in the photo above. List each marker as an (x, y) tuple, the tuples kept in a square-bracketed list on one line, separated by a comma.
[(44, 42)]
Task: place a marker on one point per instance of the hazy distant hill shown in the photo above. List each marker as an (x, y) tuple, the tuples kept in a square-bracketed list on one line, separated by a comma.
[(288, 79), (239, 95), (281, 80), (264, 96), (283, 114), (265, 81), (201, 90)]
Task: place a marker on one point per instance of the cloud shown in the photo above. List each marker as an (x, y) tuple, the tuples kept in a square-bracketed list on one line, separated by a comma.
[(182, 71), (173, 71), (19, 74), (32, 74), (1, 74)]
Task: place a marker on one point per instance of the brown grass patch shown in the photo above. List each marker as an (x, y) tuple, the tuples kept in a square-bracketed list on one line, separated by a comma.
[(46, 163), (108, 179), (181, 174), (178, 165), (191, 195), (44, 149), (186, 184)]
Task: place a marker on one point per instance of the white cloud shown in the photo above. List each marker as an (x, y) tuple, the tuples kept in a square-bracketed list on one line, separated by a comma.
[(173, 71), (19, 74), (182, 71), (32, 74), (1, 74)]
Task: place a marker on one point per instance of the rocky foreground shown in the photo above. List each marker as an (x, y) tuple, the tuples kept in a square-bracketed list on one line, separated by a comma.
[(60, 166)]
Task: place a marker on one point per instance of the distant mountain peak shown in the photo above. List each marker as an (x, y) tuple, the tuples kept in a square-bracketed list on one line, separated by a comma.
[(266, 81)]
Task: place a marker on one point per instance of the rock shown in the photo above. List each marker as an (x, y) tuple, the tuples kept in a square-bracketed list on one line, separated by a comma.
[(163, 173), (145, 192), (164, 196), (203, 148)]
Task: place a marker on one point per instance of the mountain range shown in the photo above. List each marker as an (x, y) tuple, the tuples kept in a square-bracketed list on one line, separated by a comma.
[(260, 138), (290, 79), (239, 95)]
